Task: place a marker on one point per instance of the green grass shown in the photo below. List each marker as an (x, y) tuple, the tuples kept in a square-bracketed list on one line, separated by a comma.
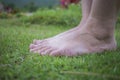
[(17, 63), (55, 16)]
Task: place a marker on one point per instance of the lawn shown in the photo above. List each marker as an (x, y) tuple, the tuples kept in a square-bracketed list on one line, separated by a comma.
[(17, 63)]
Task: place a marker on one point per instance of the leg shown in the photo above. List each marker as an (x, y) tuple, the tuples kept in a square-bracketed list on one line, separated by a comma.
[(96, 35), (118, 5), (86, 8)]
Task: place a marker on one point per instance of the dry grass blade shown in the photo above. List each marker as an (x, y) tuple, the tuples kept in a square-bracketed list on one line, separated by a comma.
[(91, 74)]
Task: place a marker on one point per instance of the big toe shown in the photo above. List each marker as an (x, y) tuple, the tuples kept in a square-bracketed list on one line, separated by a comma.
[(35, 41), (32, 46)]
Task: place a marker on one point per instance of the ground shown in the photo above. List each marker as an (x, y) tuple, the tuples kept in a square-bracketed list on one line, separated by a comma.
[(17, 63)]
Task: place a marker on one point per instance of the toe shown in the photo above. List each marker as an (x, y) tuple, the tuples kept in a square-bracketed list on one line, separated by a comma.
[(43, 50), (37, 49), (47, 51), (36, 41), (32, 46), (55, 53)]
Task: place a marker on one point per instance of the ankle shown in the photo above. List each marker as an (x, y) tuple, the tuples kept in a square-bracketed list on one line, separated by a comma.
[(101, 29)]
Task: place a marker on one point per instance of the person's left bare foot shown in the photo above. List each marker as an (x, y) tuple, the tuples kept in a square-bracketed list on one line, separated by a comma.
[(81, 41)]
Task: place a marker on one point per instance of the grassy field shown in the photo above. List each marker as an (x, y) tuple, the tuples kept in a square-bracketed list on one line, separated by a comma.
[(17, 63)]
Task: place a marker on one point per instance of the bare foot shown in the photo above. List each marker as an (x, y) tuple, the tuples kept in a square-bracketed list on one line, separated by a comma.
[(88, 39)]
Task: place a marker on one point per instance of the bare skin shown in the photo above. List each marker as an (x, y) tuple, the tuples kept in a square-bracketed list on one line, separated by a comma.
[(96, 35)]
